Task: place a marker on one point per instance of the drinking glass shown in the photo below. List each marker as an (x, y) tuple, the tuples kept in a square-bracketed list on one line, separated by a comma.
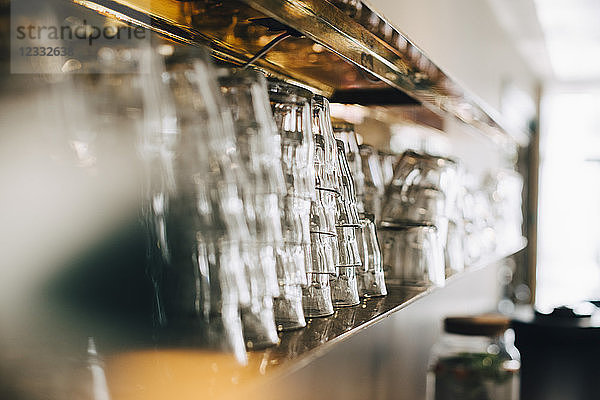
[(414, 203), (371, 279), (374, 187), (292, 111), (504, 188), (345, 132), (316, 296), (326, 149), (388, 161), (200, 176), (454, 252), (258, 141), (425, 170), (289, 313), (323, 254), (323, 212), (344, 287), (412, 255), (257, 137), (349, 255), (346, 202)]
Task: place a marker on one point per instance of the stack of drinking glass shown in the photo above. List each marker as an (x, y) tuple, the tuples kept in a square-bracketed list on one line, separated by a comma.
[(323, 233), (370, 278), (344, 287), (249, 202), (291, 108), (198, 230), (414, 220), (260, 153)]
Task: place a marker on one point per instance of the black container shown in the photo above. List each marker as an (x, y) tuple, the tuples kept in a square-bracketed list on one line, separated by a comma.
[(560, 353)]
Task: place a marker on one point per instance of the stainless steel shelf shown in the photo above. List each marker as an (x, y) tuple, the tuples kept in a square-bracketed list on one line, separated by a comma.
[(340, 56), (138, 364), (299, 348), (203, 373)]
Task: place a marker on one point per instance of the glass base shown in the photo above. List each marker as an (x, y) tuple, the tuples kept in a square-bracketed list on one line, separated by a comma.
[(258, 323), (316, 297), (371, 284), (344, 289), (288, 309)]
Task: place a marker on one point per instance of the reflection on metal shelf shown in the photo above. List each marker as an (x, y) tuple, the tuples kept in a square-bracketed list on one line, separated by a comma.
[(163, 372), (299, 348), (337, 55)]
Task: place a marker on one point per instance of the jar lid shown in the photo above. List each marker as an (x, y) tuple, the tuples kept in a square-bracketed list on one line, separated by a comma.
[(481, 325)]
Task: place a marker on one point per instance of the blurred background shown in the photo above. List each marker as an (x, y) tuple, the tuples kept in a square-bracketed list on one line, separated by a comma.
[(508, 88)]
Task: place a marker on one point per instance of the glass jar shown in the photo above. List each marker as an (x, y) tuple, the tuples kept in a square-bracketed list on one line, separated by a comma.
[(475, 359)]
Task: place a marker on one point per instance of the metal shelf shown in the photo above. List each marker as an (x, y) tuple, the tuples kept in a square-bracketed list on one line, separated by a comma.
[(337, 56), (140, 363), (297, 349)]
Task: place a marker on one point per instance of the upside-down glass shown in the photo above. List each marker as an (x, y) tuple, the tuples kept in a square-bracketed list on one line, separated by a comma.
[(426, 171), (412, 255), (415, 204), (257, 137), (374, 187), (292, 112), (323, 212), (504, 188), (388, 161), (346, 203), (194, 212), (349, 255), (325, 146), (289, 314), (454, 252), (323, 254), (291, 106), (371, 279), (344, 287), (479, 234), (316, 296), (258, 145), (345, 132)]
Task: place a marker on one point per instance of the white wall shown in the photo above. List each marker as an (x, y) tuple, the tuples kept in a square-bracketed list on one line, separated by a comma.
[(465, 39)]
